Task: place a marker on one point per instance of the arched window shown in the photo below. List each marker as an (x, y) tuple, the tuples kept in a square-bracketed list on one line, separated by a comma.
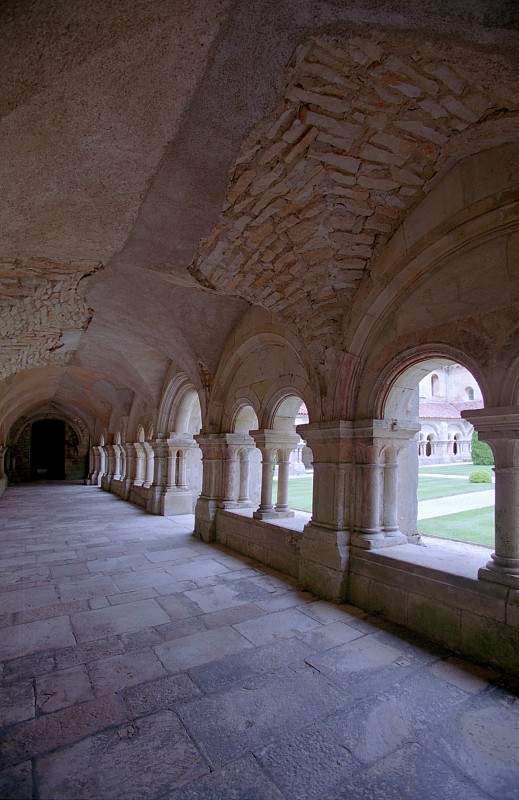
[(469, 393), (435, 385), (428, 446)]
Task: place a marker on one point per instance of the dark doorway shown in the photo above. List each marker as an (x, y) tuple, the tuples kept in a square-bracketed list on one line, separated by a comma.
[(48, 450)]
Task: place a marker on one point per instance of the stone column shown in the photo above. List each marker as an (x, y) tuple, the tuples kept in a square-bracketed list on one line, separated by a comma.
[(158, 485), (213, 447), (324, 553), (148, 477), (283, 473), (110, 467), (231, 479), (131, 461), (3, 476), (117, 462), (181, 476), (390, 525), (93, 478), (140, 458), (377, 446), (270, 442), (177, 497), (243, 496), (499, 427)]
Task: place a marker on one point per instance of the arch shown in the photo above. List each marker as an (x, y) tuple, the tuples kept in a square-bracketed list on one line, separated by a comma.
[(435, 385), (76, 443), (176, 407), (245, 419), (408, 367), (261, 359), (469, 392), (281, 408)]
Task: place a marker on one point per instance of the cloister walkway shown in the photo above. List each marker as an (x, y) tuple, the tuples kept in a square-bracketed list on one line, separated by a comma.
[(138, 662)]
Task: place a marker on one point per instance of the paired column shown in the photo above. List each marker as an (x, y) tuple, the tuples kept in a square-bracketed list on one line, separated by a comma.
[(177, 497), (378, 444), (499, 427), (274, 445)]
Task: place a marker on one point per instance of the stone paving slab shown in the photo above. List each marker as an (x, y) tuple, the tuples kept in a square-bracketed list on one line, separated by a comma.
[(16, 782), (200, 648), (16, 703), (243, 779), (227, 725), (167, 669), (62, 689), (137, 761), (44, 634), (91, 625)]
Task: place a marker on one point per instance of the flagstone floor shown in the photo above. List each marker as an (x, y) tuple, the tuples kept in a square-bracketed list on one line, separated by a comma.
[(138, 662)]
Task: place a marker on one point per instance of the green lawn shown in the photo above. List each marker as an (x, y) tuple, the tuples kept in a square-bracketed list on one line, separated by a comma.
[(299, 493), (467, 526), (453, 469), (443, 487)]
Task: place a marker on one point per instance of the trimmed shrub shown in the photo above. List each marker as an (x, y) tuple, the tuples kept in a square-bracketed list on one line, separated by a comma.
[(480, 476), (481, 452)]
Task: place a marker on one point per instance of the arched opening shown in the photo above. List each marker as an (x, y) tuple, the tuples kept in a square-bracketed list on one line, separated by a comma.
[(47, 450), (440, 493), (248, 458), (47, 446), (292, 489), (469, 393)]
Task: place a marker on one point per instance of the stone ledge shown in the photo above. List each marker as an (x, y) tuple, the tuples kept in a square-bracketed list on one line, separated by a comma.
[(270, 542)]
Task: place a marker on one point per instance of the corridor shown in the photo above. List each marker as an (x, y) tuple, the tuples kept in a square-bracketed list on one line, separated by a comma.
[(138, 662)]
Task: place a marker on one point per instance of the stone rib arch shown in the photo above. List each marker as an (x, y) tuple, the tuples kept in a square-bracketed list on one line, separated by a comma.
[(245, 403), (419, 361), (176, 405), (263, 362)]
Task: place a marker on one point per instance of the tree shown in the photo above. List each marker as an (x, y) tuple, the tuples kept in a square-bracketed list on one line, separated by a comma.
[(481, 452)]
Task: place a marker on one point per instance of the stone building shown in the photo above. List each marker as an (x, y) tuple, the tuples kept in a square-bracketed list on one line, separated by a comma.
[(444, 435), (213, 213)]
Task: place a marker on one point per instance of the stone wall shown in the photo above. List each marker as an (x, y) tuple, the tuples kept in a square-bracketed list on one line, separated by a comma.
[(473, 617), (272, 545)]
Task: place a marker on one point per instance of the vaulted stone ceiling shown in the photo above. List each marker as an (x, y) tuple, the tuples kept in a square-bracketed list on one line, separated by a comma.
[(165, 164), (364, 127)]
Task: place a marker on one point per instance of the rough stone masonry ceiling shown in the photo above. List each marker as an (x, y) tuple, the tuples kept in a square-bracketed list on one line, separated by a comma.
[(42, 312), (320, 186)]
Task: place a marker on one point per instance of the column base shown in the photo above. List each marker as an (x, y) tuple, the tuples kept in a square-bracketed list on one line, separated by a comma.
[(323, 562), (205, 519), (176, 501), (374, 541), (493, 574), (273, 514)]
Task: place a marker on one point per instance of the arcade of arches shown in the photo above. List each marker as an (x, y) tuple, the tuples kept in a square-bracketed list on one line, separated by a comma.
[(216, 215)]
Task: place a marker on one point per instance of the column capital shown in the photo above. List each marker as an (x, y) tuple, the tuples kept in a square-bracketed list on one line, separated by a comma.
[(268, 439), (498, 422), (184, 441), (499, 427)]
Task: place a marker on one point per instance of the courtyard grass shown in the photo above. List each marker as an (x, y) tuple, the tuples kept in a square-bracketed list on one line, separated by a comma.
[(453, 469), (299, 493), (475, 526), (429, 488)]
